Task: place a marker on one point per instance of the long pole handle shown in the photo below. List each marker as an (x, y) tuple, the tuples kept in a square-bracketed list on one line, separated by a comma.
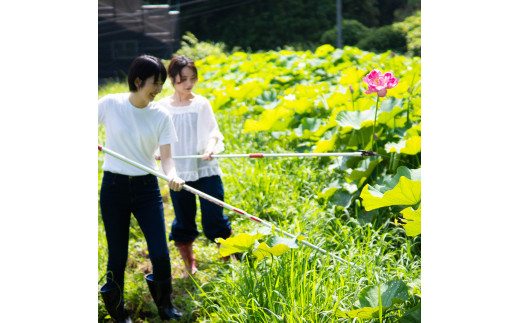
[(261, 155), (216, 201)]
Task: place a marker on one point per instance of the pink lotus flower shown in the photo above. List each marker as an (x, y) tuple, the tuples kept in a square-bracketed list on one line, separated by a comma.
[(379, 82)]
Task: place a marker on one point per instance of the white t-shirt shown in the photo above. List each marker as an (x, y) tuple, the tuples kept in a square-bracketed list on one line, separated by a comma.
[(195, 125), (133, 132)]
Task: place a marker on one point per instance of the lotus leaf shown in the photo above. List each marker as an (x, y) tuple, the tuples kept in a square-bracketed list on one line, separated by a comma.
[(239, 243), (413, 221), (393, 292), (411, 146), (356, 119), (406, 192)]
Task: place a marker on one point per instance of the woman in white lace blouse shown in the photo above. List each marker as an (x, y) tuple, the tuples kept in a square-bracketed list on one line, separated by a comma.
[(198, 133)]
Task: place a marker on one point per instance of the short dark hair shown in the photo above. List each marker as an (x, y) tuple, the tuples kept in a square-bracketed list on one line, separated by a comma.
[(143, 67), (177, 63)]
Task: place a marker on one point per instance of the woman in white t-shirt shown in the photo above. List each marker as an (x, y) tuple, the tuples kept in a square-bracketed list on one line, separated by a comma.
[(198, 133), (136, 127)]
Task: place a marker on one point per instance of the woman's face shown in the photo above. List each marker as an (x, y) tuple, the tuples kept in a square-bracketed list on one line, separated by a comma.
[(149, 89), (185, 81)]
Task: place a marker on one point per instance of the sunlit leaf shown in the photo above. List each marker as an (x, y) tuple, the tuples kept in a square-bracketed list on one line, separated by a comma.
[(356, 119), (274, 246), (325, 145), (268, 120), (413, 221), (365, 313), (262, 250), (239, 243), (410, 146), (391, 182), (406, 192)]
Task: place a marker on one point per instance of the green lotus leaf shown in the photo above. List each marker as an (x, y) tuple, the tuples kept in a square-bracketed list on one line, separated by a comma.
[(406, 192), (365, 313), (356, 119), (337, 100), (392, 293), (389, 182), (412, 316), (361, 173), (263, 250), (275, 246), (389, 105), (221, 99), (325, 145), (328, 191), (342, 198), (239, 243), (413, 221), (410, 146), (414, 131), (268, 120), (289, 242), (307, 126), (301, 105), (266, 97), (357, 139)]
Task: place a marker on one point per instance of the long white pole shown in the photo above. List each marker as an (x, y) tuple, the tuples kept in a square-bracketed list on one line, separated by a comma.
[(216, 201), (261, 155)]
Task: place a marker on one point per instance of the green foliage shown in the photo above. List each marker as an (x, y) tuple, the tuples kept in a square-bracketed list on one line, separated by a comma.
[(384, 38), (402, 37), (374, 300), (351, 33), (412, 27), (272, 24), (193, 48)]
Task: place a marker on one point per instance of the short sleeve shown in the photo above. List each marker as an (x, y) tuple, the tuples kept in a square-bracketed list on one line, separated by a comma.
[(167, 135), (208, 128), (103, 103)]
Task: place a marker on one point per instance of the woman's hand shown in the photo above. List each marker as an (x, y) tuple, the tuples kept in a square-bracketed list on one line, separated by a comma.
[(209, 149), (168, 166), (176, 183), (207, 155)]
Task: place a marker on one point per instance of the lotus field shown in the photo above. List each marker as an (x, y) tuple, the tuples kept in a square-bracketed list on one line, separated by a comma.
[(365, 210)]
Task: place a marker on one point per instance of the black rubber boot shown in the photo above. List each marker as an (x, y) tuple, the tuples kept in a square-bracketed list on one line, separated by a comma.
[(161, 291), (115, 305)]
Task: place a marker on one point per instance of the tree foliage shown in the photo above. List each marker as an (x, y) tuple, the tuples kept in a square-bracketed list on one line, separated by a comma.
[(270, 24)]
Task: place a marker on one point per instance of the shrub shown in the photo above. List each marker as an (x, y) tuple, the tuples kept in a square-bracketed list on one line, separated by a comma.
[(383, 39), (351, 32), (195, 49), (411, 26)]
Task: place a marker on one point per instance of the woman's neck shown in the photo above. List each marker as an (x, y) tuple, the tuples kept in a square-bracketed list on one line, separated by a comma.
[(182, 98), (137, 101)]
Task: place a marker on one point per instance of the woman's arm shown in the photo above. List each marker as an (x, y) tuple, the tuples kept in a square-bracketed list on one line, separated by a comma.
[(209, 148), (168, 165)]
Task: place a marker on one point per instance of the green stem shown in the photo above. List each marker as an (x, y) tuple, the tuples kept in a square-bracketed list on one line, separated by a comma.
[(408, 112), (374, 126)]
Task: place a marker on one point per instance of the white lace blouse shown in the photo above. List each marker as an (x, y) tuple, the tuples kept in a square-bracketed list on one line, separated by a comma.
[(195, 124)]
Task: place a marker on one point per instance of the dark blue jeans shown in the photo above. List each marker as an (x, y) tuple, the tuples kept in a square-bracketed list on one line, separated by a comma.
[(215, 223), (121, 196)]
